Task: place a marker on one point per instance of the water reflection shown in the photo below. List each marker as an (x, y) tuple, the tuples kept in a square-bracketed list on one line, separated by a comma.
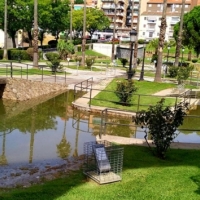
[(42, 133), (50, 131)]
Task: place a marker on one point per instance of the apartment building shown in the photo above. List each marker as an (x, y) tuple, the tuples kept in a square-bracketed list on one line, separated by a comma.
[(147, 12)]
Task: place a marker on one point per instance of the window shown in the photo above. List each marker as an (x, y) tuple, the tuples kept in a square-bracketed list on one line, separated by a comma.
[(145, 18), (143, 33), (150, 34), (144, 25), (150, 5), (158, 5)]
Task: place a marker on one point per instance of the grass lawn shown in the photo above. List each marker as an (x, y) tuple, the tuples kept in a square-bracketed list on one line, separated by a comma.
[(145, 89), (144, 177), (90, 53), (32, 71)]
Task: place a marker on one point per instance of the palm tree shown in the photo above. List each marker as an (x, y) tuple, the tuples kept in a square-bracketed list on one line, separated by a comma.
[(5, 52), (163, 27), (180, 34), (35, 35)]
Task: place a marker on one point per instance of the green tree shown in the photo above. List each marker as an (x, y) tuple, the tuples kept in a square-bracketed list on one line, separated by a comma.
[(95, 20), (64, 48), (161, 123), (191, 30)]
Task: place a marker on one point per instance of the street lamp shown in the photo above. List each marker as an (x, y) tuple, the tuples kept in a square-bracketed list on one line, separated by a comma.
[(142, 70), (168, 48), (182, 56), (133, 34)]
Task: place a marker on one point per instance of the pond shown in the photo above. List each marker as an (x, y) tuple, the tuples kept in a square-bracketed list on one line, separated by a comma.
[(49, 132)]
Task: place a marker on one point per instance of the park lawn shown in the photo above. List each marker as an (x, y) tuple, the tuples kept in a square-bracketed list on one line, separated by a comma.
[(144, 177), (32, 71), (90, 53), (142, 95)]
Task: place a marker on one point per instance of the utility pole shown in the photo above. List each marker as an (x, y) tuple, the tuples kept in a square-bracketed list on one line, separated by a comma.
[(179, 39), (5, 51), (84, 36), (163, 27), (35, 35)]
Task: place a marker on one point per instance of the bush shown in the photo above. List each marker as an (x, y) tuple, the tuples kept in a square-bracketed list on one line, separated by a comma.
[(194, 60), (30, 53), (184, 73), (54, 60), (18, 54), (52, 43), (1, 53), (123, 61), (141, 41), (161, 123), (125, 90), (89, 61), (172, 71)]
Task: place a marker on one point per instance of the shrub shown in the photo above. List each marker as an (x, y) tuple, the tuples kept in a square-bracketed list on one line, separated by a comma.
[(64, 48), (125, 90), (30, 53), (194, 60), (123, 61), (54, 60), (52, 43), (1, 53), (173, 71), (161, 123), (184, 73), (138, 61), (141, 41), (89, 61)]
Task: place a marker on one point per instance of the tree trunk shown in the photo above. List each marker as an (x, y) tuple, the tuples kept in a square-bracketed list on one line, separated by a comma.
[(35, 35), (5, 52), (189, 55), (179, 39), (136, 41), (84, 36), (161, 43), (13, 40)]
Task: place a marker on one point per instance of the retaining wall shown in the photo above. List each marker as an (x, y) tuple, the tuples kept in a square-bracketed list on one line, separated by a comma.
[(22, 90)]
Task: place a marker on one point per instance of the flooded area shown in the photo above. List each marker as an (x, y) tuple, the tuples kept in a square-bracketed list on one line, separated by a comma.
[(44, 139)]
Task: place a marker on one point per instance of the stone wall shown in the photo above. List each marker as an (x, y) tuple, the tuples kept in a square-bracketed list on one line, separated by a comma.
[(22, 90)]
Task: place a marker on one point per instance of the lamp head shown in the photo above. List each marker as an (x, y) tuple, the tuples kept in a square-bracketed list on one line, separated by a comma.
[(168, 47), (133, 34)]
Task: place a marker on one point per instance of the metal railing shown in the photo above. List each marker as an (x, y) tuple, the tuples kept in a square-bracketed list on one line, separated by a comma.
[(21, 70)]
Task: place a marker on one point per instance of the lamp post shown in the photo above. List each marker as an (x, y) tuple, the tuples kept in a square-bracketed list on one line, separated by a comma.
[(168, 48), (182, 56), (133, 34), (142, 70)]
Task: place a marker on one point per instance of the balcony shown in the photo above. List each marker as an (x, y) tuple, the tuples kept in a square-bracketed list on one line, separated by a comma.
[(120, 7), (108, 6), (119, 21), (174, 22), (151, 20), (107, 0), (120, 14), (150, 28)]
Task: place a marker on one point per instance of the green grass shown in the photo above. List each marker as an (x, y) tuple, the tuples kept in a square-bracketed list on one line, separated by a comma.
[(145, 89), (144, 177), (32, 71), (90, 53)]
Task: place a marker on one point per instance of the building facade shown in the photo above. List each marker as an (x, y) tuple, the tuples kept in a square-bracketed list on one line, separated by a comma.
[(144, 16)]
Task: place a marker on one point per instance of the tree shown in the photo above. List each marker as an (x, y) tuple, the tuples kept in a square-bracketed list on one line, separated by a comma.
[(64, 48), (179, 38), (163, 27), (161, 123), (191, 30), (96, 20)]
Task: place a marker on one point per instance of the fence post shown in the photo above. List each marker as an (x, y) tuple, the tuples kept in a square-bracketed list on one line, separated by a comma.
[(27, 71), (11, 70), (21, 72), (42, 73), (138, 106), (65, 76), (90, 97)]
